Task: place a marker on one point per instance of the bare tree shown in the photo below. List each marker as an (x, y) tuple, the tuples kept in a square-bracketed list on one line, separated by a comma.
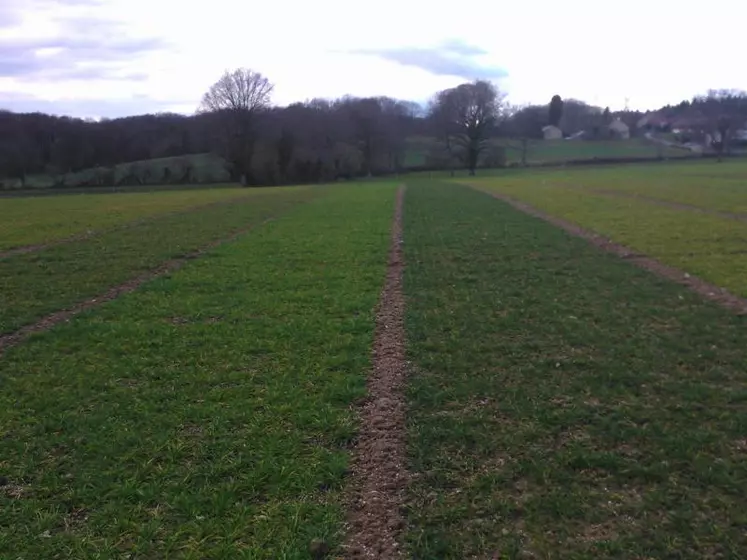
[(522, 125), (241, 90), (725, 109), (578, 116), (442, 114), (469, 113), (237, 99)]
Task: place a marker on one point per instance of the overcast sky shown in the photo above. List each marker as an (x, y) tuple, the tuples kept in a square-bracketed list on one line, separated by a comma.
[(120, 57)]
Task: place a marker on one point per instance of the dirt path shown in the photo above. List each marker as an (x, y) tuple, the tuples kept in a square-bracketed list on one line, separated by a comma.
[(670, 204), (710, 291), (14, 338), (378, 475), (25, 249)]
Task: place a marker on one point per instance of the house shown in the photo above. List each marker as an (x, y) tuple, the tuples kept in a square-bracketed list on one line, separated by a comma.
[(653, 121), (740, 134), (693, 123), (619, 130), (551, 132)]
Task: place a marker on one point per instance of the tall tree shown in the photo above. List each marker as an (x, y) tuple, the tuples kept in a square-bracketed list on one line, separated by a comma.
[(523, 124), (469, 112), (556, 110), (237, 99), (725, 111)]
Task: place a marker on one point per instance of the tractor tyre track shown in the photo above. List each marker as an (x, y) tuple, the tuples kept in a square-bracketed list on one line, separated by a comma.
[(378, 473)]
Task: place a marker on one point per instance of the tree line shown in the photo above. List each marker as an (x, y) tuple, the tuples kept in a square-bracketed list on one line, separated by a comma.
[(316, 140)]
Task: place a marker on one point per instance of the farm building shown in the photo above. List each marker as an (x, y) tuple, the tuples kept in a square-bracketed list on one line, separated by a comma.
[(619, 130), (551, 132), (653, 121)]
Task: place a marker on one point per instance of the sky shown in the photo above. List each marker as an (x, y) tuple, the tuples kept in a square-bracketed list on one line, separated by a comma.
[(110, 58)]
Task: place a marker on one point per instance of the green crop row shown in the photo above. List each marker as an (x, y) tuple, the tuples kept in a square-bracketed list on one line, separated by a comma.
[(708, 246), (206, 415), (562, 402), (35, 220), (35, 284)]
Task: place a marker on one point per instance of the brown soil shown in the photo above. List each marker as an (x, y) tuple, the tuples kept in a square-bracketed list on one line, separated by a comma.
[(709, 291), (672, 204), (14, 338), (25, 249), (378, 474)]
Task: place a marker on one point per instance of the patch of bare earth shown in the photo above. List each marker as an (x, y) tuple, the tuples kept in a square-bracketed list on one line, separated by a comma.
[(672, 204), (710, 291), (14, 338), (88, 234), (378, 475)]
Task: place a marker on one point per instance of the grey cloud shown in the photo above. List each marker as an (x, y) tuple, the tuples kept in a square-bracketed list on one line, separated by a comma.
[(9, 17), (109, 108), (451, 58), (89, 48), (459, 47)]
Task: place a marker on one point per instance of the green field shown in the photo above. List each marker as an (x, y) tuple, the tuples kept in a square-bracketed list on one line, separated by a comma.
[(561, 402), (37, 283), (197, 168), (210, 168), (28, 221), (703, 243), (553, 151)]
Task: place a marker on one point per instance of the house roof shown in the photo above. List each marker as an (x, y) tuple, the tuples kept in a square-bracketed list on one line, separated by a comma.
[(694, 121), (653, 119)]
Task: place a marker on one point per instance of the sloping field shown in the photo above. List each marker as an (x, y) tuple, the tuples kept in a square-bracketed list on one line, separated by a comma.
[(29, 221), (552, 151), (36, 283), (690, 216)]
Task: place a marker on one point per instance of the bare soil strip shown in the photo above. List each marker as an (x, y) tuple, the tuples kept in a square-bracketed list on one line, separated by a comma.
[(671, 204), (710, 291), (12, 339), (378, 474), (25, 249)]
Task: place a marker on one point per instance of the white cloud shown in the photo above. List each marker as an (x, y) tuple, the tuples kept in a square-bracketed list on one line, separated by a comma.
[(651, 53)]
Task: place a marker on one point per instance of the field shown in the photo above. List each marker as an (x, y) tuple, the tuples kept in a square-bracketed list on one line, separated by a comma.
[(29, 221), (203, 168), (692, 216), (556, 151), (206, 377), (209, 168)]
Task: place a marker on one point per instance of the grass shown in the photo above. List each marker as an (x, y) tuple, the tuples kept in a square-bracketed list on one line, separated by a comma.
[(34, 220), (35, 284), (546, 151), (210, 168), (708, 185), (562, 402), (708, 246), (206, 168), (209, 414), (553, 151)]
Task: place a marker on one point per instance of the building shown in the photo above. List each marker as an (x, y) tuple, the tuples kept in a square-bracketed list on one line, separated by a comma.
[(551, 132), (653, 121), (619, 130)]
